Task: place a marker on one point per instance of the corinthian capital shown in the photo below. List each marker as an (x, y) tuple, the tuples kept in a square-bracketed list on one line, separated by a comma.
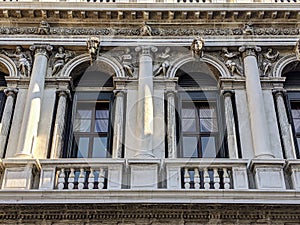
[(41, 49), (249, 50)]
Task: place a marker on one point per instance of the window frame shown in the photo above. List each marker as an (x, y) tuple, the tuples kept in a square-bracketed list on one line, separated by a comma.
[(94, 99), (220, 136)]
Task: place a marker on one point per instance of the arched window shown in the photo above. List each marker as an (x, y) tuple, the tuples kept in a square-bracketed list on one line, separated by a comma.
[(201, 130), (90, 130)]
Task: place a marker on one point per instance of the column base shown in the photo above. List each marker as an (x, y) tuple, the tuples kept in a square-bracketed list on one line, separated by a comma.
[(20, 174), (143, 174), (268, 174)]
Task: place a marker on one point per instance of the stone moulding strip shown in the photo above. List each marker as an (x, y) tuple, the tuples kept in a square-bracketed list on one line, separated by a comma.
[(269, 31), (57, 212)]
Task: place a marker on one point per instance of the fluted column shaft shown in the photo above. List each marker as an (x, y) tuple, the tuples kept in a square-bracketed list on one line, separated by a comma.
[(258, 120), (171, 125), (6, 118), (230, 126), (32, 110), (285, 127), (59, 126), (118, 124)]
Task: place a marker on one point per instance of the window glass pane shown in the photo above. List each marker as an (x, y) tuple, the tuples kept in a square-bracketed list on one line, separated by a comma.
[(298, 143), (208, 146), (84, 113), (83, 147), (188, 113), (190, 147), (206, 111), (82, 125), (102, 114), (297, 125), (208, 125), (100, 147), (101, 126), (188, 125)]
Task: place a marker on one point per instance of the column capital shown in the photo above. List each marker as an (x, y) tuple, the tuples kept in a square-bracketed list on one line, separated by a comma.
[(64, 92), (249, 50), (146, 50), (170, 92), (10, 91), (278, 92), (41, 49), (227, 93), (119, 92)]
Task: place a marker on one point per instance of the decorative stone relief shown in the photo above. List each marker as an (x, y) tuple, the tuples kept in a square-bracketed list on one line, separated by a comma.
[(248, 29), (232, 62), (162, 31), (60, 59), (145, 30), (197, 47), (22, 59), (44, 28), (163, 62), (93, 45), (126, 60), (267, 60)]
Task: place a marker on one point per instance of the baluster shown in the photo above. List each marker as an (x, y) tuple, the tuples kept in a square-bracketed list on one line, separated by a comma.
[(71, 179), (91, 179), (206, 179), (61, 179), (187, 179), (101, 179), (216, 179), (197, 178), (226, 179), (81, 179)]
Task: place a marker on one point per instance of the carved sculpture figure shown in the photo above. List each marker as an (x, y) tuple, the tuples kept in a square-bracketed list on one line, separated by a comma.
[(197, 47), (127, 62), (269, 58), (233, 67), (23, 60), (60, 59), (44, 28), (297, 50), (164, 59), (145, 30), (93, 44)]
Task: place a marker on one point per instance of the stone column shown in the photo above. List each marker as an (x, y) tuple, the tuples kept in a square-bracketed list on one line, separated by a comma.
[(171, 125), (32, 110), (6, 118), (59, 126), (230, 126), (118, 124), (145, 117), (258, 120), (285, 127)]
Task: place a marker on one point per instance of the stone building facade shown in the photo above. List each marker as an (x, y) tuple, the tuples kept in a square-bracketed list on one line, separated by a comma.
[(164, 112)]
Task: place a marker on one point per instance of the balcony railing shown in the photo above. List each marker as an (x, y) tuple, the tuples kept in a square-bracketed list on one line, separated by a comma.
[(162, 1)]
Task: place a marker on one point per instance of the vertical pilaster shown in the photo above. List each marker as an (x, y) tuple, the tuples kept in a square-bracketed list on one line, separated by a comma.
[(59, 126), (6, 118), (145, 111), (118, 124), (258, 120), (171, 124), (285, 127), (230, 126), (32, 110)]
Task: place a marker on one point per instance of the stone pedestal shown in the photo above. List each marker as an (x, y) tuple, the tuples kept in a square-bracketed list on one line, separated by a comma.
[(144, 174), (268, 174), (293, 167), (19, 174)]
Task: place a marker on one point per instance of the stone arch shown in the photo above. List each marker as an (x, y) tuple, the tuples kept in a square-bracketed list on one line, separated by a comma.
[(83, 58), (213, 61), (10, 65), (282, 63)]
